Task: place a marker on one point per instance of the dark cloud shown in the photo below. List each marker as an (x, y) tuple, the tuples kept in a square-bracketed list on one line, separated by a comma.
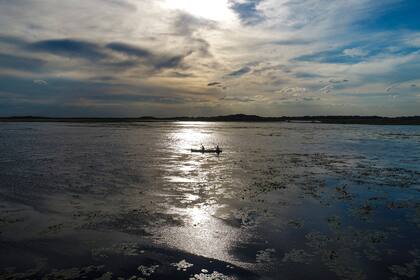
[(128, 49), (214, 84), (307, 75), (290, 42), (123, 98), (177, 74), (60, 90), (186, 24), (332, 81), (144, 57), (310, 98), (240, 72), (201, 47), (243, 99), (64, 88), (105, 55), (69, 48), (121, 65), (21, 63), (12, 40), (148, 58), (114, 56), (247, 11), (170, 62)]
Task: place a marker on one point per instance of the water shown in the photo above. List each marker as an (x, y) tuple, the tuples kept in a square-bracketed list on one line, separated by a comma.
[(283, 201)]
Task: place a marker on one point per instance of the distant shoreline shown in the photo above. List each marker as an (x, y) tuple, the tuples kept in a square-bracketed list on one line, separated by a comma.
[(370, 120)]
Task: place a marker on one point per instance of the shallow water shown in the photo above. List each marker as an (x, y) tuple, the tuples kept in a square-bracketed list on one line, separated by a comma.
[(283, 201)]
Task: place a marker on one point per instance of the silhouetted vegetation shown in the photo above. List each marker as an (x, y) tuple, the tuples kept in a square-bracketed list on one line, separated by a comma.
[(373, 120)]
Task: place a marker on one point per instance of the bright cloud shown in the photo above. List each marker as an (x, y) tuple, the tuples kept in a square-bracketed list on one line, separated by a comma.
[(217, 10)]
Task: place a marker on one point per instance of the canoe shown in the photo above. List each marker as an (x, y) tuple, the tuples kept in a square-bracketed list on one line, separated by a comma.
[(206, 151)]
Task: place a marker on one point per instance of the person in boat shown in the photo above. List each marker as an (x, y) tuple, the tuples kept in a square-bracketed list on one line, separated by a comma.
[(202, 148), (217, 149)]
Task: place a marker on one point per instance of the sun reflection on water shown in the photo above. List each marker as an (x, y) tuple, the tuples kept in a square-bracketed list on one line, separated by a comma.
[(197, 215), (197, 180), (194, 134), (203, 234)]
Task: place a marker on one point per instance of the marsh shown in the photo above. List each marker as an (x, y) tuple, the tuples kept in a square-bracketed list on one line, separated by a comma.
[(283, 201)]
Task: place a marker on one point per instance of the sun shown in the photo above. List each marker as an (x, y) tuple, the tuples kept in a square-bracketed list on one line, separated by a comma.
[(217, 10)]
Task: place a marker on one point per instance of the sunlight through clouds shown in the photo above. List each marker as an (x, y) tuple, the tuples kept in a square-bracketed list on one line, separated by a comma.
[(217, 10)]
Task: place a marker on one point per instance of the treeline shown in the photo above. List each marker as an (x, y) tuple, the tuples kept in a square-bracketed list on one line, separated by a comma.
[(374, 120)]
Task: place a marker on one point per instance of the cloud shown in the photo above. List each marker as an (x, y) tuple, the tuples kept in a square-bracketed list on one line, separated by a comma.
[(178, 74), (281, 50), (311, 98), (331, 56), (307, 75), (69, 48), (61, 91), (12, 40), (201, 47), (129, 49), (113, 55), (355, 52), (57, 87), (244, 99), (157, 61), (186, 24), (21, 63), (124, 98), (240, 72), (122, 4), (333, 81), (294, 91), (170, 62), (40, 82), (291, 42), (326, 89), (403, 86), (188, 28)]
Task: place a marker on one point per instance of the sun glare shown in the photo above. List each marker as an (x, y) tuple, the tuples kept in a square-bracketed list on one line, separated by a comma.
[(217, 10)]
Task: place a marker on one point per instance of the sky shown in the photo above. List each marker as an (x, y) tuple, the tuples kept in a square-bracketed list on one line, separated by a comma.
[(129, 58)]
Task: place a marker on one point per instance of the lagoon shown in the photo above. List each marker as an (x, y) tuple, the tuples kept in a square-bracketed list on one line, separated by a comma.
[(283, 201)]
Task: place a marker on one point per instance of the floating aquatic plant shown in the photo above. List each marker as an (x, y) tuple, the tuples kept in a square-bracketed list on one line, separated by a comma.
[(182, 265), (147, 270)]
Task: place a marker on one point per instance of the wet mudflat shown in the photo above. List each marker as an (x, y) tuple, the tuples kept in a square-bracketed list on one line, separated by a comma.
[(283, 201)]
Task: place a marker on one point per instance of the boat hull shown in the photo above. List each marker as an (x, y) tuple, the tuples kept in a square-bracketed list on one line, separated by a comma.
[(211, 151)]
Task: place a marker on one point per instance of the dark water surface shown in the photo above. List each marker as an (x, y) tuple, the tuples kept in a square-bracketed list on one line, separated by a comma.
[(283, 201)]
